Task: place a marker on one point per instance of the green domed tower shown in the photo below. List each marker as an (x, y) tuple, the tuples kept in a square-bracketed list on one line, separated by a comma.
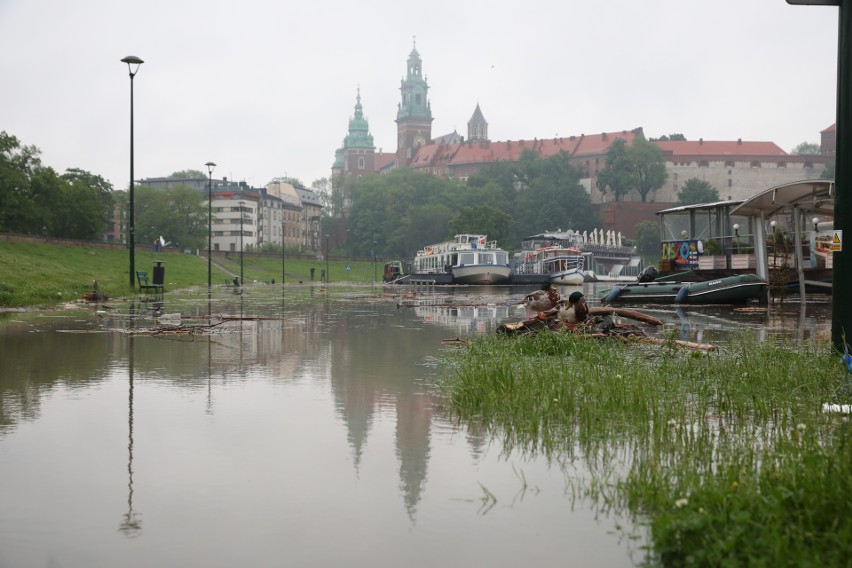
[(357, 156)]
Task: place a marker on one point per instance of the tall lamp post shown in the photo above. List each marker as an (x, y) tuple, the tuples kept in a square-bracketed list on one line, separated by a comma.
[(327, 273), (283, 250), (373, 254), (210, 166), (132, 60), (241, 242)]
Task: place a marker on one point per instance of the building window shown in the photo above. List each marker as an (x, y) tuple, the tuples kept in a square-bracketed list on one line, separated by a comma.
[(360, 162), (809, 165), (730, 183), (755, 164), (704, 164)]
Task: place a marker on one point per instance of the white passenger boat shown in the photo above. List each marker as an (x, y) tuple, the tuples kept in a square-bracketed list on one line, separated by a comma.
[(469, 259), (564, 265)]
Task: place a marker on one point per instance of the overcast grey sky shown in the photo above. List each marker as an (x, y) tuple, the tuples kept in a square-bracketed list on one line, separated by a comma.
[(266, 88)]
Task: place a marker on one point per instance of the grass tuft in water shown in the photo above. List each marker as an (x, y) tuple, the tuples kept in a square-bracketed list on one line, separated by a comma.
[(727, 455)]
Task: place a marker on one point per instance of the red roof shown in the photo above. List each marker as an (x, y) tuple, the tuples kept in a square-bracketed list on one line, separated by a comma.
[(719, 148), (382, 159), (485, 152)]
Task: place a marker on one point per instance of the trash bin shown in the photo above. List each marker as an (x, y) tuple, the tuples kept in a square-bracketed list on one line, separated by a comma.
[(159, 273)]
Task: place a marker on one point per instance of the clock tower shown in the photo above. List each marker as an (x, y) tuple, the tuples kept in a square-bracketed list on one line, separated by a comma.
[(414, 116)]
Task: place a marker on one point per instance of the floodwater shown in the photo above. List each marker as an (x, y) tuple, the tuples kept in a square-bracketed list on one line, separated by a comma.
[(300, 430)]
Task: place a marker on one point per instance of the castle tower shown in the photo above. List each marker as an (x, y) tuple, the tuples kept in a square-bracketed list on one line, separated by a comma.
[(414, 116), (357, 156), (477, 126)]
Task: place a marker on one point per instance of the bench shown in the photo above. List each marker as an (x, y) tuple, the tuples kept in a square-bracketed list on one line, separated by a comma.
[(144, 286)]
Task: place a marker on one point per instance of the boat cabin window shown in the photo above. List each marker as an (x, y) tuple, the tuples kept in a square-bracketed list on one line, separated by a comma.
[(466, 258)]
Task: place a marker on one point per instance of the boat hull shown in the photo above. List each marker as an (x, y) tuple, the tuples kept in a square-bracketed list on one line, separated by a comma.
[(573, 277), (730, 290), (481, 274)]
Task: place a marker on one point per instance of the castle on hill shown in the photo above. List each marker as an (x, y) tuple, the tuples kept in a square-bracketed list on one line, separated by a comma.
[(738, 169)]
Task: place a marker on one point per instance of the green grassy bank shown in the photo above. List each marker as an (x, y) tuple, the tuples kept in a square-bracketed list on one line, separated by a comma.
[(727, 457), (46, 274)]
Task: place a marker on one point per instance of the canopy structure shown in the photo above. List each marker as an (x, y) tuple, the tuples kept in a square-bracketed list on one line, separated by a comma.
[(808, 196), (816, 196)]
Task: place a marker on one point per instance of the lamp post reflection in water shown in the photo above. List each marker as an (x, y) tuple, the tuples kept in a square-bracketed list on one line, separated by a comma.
[(131, 525)]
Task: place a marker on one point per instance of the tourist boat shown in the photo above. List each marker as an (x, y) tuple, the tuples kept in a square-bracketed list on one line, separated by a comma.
[(737, 289), (606, 255), (467, 259), (563, 265)]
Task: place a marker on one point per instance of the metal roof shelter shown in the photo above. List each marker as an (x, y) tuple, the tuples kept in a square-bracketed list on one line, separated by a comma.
[(802, 197), (815, 195)]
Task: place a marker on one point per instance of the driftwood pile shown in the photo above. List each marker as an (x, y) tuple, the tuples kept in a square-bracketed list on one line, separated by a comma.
[(600, 323)]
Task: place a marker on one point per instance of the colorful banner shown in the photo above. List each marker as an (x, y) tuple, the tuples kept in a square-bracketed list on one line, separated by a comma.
[(681, 254)]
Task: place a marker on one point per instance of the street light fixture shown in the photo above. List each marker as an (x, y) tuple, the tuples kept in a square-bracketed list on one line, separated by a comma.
[(242, 281), (210, 166), (132, 60), (815, 221), (327, 273)]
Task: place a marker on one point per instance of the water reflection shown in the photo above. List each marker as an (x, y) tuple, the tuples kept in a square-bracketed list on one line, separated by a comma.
[(307, 406), (131, 525)]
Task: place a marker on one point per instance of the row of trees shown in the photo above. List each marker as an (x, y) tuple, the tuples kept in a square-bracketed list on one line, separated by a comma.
[(36, 200), (403, 211)]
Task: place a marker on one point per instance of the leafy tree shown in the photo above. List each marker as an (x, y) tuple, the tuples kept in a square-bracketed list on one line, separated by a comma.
[(177, 213), (330, 206), (806, 148), (617, 175), (640, 166), (92, 186), (669, 137), (649, 166), (697, 191), (189, 174), (482, 219), (648, 240), (429, 223), (17, 164)]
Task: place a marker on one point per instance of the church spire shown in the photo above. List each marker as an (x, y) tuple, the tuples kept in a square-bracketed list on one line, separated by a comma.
[(477, 126)]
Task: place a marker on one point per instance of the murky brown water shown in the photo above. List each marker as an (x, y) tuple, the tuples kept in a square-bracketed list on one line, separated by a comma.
[(306, 431)]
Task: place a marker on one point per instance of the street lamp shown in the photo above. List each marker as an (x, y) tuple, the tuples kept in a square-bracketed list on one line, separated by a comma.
[(242, 281), (327, 273), (815, 221), (210, 166), (132, 60), (373, 254)]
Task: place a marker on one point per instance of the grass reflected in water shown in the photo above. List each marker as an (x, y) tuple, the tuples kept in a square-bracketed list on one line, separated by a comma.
[(727, 456)]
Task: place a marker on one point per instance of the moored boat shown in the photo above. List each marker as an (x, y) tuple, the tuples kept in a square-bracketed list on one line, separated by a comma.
[(564, 265), (606, 254), (468, 258), (393, 271), (737, 289)]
